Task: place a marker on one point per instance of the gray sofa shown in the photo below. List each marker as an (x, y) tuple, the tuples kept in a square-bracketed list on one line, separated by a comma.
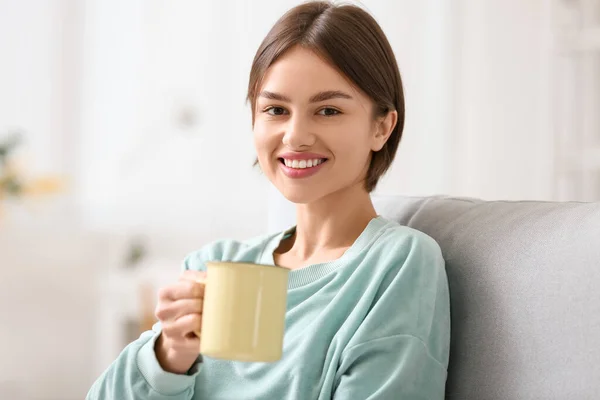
[(525, 294)]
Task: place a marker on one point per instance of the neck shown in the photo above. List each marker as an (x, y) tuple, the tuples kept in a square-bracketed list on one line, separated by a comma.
[(333, 222)]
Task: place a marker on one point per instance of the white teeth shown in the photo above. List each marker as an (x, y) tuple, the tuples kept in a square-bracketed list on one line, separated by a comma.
[(301, 164)]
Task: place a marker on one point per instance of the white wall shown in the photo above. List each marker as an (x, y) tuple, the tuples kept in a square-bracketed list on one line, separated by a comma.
[(420, 34), (149, 62), (45, 296), (503, 143), (31, 77)]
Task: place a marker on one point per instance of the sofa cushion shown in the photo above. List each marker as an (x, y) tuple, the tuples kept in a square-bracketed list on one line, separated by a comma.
[(525, 294)]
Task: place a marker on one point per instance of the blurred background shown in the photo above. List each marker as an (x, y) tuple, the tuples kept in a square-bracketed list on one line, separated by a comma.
[(125, 143)]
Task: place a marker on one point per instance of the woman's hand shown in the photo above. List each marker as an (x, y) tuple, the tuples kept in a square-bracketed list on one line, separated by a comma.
[(179, 311)]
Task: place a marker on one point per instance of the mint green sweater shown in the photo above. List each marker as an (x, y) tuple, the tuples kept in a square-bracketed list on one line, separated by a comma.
[(373, 324)]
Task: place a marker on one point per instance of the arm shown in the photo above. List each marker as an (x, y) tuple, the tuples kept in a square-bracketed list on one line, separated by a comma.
[(137, 375), (398, 367), (401, 349)]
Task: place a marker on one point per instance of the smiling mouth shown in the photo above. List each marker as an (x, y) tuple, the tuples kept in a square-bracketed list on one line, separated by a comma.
[(302, 164)]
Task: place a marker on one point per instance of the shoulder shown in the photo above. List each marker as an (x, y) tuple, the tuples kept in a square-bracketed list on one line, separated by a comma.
[(401, 246), (406, 283), (249, 250), (401, 261)]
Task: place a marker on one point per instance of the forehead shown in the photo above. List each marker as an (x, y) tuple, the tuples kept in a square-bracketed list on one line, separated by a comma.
[(300, 73)]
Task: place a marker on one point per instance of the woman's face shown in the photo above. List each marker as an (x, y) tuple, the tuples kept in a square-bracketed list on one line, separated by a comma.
[(313, 130)]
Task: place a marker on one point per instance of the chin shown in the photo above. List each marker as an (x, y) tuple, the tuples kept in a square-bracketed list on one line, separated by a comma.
[(298, 196), (305, 191), (306, 194)]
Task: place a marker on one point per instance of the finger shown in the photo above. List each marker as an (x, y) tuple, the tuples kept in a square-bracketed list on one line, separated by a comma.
[(182, 327), (184, 289), (182, 344), (187, 344), (176, 309)]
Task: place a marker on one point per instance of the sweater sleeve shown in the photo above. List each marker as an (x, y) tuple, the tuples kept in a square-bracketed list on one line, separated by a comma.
[(137, 375), (398, 367), (401, 349)]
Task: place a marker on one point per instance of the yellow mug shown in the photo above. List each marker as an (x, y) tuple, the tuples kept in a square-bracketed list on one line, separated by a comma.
[(243, 316)]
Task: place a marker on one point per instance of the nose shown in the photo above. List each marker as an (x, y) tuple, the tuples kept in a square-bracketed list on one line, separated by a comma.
[(297, 134)]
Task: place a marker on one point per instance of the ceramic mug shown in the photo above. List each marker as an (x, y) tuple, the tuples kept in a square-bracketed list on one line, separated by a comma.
[(243, 317)]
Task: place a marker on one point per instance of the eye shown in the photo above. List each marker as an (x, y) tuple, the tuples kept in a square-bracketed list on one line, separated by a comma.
[(275, 111), (328, 112)]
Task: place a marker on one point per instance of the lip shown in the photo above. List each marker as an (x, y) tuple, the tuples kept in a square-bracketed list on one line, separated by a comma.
[(299, 173)]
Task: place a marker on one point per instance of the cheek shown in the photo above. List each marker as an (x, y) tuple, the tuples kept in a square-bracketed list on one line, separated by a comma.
[(265, 141), (260, 135), (353, 146)]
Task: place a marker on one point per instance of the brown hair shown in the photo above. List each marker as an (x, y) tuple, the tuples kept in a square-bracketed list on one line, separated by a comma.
[(351, 40)]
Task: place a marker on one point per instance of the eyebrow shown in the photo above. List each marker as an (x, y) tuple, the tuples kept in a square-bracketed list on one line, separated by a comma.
[(274, 96), (328, 95), (321, 96)]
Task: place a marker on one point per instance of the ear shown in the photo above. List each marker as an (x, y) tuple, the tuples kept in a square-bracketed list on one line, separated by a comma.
[(383, 129)]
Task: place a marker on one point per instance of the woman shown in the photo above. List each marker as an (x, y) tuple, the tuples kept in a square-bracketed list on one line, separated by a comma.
[(368, 304)]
